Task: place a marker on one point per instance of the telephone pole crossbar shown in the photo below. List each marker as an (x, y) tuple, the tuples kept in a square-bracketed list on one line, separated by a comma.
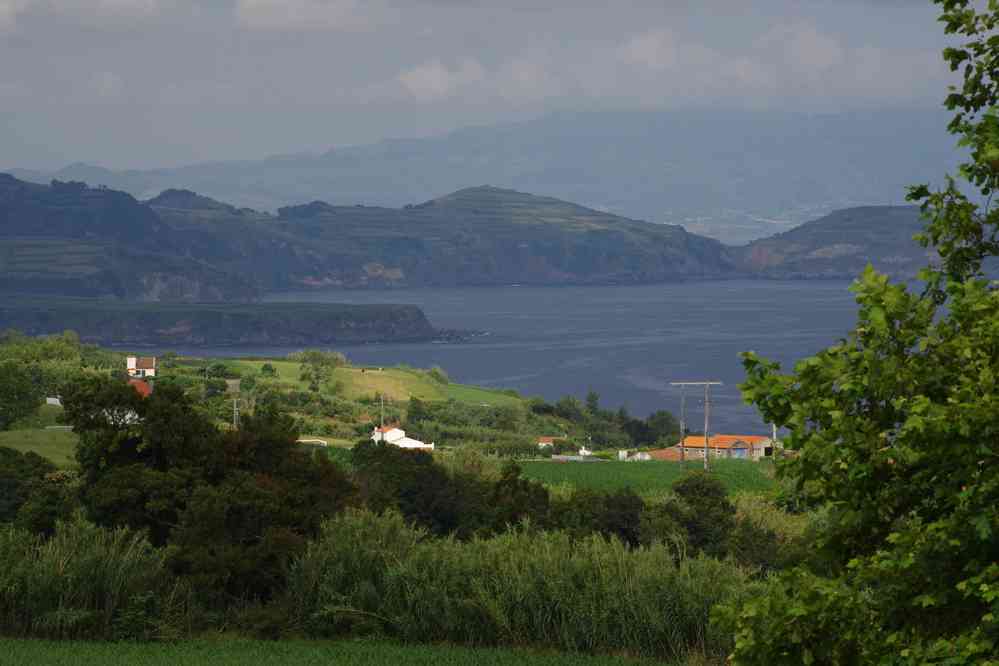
[(707, 415)]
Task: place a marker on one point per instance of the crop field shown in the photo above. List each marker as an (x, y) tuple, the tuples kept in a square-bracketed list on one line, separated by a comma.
[(276, 653), (649, 477)]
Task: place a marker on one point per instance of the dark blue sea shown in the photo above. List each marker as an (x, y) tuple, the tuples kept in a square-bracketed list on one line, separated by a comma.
[(626, 343)]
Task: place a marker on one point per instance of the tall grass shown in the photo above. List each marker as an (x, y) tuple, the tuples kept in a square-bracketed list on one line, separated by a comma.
[(520, 588), (83, 582)]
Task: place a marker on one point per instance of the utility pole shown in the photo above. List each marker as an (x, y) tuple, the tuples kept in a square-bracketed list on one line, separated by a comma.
[(707, 419), (683, 425), (381, 398), (235, 412), (707, 414)]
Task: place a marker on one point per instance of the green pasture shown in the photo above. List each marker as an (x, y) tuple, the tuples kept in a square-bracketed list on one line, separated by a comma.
[(277, 653), (398, 384), (59, 446), (649, 477)]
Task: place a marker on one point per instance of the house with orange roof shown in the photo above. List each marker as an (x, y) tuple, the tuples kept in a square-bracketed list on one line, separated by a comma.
[(140, 366), (750, 447)]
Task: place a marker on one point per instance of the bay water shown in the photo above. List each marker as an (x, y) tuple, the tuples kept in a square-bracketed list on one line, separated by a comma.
[(626, 343)]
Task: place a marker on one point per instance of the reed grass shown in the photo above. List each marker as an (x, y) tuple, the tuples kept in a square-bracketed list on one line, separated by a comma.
[(521, 588), (82, 582)]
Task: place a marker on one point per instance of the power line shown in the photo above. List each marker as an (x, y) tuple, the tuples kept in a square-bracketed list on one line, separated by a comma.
[(707, 415)]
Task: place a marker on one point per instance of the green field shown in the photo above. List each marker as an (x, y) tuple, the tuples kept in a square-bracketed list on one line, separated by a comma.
[(648, 477), (231, 653), (393, 383), (59, 446)]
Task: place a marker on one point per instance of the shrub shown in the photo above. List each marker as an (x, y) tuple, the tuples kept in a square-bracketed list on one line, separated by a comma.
[(705, 512), (438, 374), (519, 588), (18, 472)]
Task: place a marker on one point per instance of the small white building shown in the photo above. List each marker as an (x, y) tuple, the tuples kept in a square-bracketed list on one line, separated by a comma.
[(141, 366), (637, 456), (397, 437)]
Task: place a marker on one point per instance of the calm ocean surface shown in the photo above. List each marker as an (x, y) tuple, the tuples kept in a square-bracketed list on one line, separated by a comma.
[(626, 343)]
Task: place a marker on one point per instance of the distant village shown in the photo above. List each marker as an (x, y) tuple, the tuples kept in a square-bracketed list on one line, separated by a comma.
[(692, 447)]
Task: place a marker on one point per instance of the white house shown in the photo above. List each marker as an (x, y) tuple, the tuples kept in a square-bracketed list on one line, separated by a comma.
[(397, 437), (141, 366)]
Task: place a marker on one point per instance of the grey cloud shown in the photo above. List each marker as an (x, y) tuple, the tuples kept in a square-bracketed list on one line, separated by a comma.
[(149, 82)]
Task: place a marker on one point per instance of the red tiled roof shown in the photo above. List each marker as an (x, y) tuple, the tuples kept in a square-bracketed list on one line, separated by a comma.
[(145, 363), (141, 387), (546, 440), (387, 428), (724, 441)]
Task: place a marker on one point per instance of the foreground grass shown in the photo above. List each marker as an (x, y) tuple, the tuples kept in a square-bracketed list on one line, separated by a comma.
[(648, 477), (59, 446), (231, 653)]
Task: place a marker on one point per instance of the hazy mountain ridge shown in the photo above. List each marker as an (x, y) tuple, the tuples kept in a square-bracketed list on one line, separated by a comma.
[(736, 176), (66, 239)]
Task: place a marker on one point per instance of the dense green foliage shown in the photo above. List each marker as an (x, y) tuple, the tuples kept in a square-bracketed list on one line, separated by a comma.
[(83, 582), (896, 429), (198, 527), (20, 395), (233, 506)]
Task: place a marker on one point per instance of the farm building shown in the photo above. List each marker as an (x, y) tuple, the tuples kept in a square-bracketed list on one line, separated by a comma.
[(397, 437), (750, 447), (141, 366)]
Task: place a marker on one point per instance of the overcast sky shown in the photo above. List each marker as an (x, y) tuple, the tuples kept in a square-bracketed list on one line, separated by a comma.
[(143, 83)]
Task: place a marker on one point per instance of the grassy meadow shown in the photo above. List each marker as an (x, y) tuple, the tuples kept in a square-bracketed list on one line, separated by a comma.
[(398, 383), (650, 477), (278, 653), (59, 446)]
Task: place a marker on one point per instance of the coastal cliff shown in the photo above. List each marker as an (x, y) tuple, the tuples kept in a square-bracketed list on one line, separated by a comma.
[(277, 324)]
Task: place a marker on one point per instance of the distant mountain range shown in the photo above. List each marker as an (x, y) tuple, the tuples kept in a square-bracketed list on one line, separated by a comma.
[(67, 239), (730, 175)]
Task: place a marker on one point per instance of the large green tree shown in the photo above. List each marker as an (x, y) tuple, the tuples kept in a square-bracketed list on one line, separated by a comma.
[(316, 366), (896, 431), (232, 506), (20, 394)]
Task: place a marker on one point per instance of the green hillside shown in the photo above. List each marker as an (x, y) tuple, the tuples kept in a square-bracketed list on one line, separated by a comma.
[(841, 244), (67, 239), (477, 236)]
